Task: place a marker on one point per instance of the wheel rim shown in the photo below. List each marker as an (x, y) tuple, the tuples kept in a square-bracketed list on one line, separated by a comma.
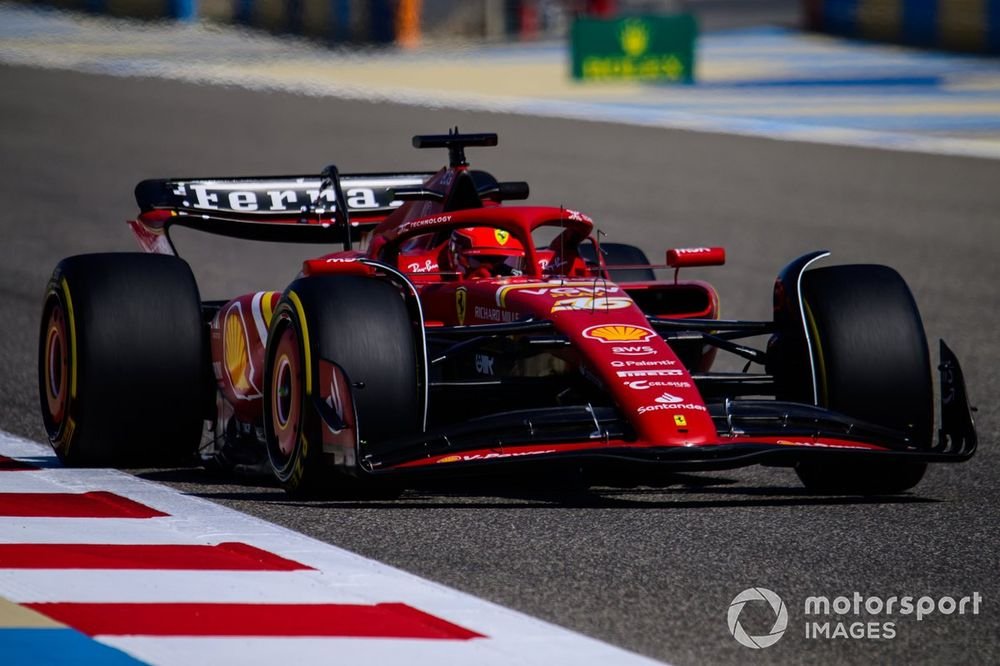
[(55, 373), (286, 392)]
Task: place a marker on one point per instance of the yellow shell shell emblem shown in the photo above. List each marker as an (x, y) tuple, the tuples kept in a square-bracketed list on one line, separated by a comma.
[(618, 333), (237, 357), (501, 236)]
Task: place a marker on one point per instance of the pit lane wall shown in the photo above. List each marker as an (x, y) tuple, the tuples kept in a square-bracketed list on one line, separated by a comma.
[(960, 25)]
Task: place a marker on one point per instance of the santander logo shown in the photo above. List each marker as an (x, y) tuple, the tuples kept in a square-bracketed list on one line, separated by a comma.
[(669, 399)]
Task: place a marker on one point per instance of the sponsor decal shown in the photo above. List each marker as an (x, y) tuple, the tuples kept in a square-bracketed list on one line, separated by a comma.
[(692, 250), (427, 222), (494, 314), (642, 364), (689, 406), (668, 399), (634, 38), (491, 456), (556, 289), (577, 216), (590, 303), (633, 350), (342, 260), (814, 444), (501, 235), (461, 304), (427, 267), (277, 197), (484, 364), (650, 373), (609, 333), (644, 384), (680, 421), (236, 353)]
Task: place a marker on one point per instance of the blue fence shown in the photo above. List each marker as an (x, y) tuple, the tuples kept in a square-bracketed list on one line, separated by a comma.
[(964, 25)]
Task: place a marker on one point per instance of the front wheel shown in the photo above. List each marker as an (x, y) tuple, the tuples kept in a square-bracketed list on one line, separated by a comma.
[(361, 325), (872, 363)]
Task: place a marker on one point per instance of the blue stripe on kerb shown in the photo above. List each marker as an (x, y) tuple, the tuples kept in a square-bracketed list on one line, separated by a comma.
[(57, 647)]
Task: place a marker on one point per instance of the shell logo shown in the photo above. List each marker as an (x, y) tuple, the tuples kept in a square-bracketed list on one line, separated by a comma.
[(618, 333), (237, 356)]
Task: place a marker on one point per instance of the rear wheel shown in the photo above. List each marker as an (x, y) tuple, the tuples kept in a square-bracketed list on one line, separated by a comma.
[(873, 364), (120, 360), (363, 326)]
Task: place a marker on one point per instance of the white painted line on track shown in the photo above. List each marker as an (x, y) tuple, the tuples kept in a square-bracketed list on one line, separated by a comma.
[(339, 577)]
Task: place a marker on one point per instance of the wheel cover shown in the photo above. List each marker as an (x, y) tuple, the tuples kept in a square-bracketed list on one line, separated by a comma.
[(286, 392), (55, 369)]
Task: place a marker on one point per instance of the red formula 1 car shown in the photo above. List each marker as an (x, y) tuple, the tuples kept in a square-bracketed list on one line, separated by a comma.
[(467, 335)]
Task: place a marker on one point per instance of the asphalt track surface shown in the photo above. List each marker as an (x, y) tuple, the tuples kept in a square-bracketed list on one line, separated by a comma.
[(652, 570)]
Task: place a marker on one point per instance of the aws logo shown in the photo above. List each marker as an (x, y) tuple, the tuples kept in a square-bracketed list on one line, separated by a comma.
[(634, 36)]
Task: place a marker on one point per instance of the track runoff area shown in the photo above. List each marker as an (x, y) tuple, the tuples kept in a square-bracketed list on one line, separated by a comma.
[(100, 567)]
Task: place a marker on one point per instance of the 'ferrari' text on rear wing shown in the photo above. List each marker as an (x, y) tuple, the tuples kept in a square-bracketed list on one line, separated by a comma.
[(295, 209)]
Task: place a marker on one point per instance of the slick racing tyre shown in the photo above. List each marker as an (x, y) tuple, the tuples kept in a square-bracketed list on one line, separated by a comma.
[(873, 364), (363, 326), (620, 254), (121, 360)]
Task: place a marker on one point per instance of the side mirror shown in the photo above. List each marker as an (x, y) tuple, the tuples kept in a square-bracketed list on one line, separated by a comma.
[(696, 256)]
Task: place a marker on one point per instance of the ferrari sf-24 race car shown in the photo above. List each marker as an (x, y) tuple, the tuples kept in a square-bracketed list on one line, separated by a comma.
[(456, 334)]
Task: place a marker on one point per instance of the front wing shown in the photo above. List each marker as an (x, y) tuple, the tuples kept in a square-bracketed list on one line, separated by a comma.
[(750, 432)]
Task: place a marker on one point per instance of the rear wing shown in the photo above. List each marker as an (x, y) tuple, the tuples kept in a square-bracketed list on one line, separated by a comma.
[(293, 209)]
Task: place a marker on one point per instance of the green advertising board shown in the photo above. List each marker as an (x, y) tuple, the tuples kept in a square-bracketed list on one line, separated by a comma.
[(634, 48)]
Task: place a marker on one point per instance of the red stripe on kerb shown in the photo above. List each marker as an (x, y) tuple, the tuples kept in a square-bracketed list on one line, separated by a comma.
[(391, 620), (11, 465), (98, 504), (223, 557)]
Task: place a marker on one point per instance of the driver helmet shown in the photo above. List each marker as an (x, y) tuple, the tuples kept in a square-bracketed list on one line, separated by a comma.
[(486, 252)]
